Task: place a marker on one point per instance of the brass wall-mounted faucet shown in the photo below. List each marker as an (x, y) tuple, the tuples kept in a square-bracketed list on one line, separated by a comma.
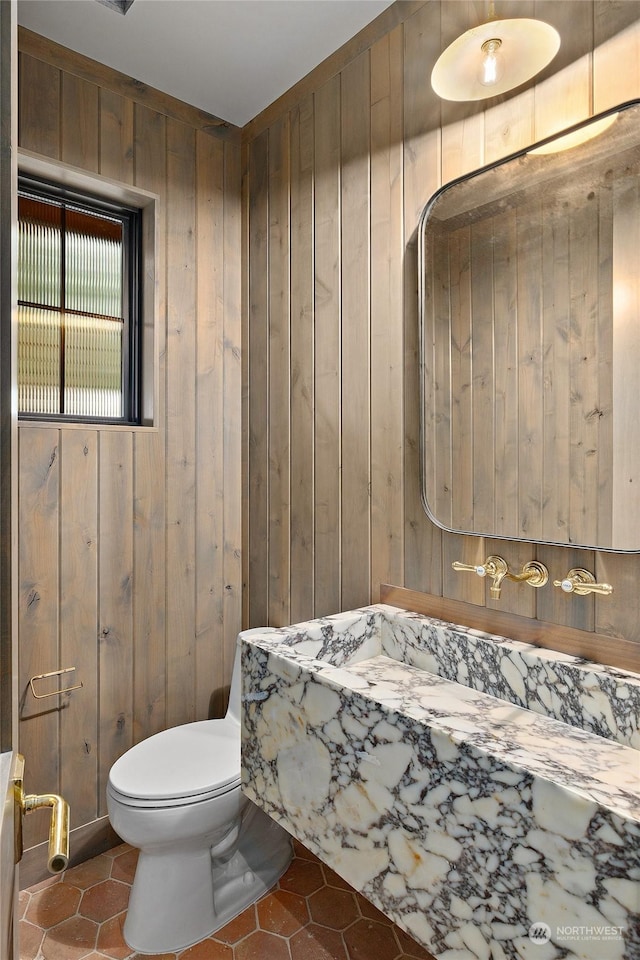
[(497, 569), (582, 582)]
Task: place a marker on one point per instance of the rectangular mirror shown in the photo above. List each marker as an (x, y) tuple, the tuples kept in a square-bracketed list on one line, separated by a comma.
[(530, 342)]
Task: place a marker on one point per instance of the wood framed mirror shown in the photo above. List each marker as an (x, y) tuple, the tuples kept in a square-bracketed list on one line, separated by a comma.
[(530, 342)]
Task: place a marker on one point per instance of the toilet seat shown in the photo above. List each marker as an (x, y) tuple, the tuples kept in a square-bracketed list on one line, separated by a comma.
[(186, 764)]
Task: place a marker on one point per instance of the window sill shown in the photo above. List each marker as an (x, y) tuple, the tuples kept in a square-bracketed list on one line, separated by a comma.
[(98, 427)]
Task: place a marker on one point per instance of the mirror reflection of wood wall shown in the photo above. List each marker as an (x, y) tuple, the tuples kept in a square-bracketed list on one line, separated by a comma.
[(532, 352)]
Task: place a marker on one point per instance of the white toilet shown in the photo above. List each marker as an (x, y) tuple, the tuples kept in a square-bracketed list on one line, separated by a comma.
[(206, 852)]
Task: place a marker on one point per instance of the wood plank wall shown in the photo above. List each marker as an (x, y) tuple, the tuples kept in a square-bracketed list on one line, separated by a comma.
[(131, 552), (130, 540), (336, 180)]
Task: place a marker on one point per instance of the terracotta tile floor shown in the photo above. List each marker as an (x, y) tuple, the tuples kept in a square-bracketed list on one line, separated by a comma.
[(311, 914)]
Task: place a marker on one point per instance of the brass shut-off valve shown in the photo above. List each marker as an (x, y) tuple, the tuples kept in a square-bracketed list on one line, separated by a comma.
[(533, 573)]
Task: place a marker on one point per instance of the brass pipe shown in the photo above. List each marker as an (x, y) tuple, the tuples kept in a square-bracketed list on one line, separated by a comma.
[(533, 573), (58, 859)]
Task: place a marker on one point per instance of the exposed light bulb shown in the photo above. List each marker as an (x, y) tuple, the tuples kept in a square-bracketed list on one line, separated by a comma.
[(491, 67)]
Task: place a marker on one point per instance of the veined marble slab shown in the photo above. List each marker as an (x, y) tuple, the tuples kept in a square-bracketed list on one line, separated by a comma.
[(595, 697), (487, 830)]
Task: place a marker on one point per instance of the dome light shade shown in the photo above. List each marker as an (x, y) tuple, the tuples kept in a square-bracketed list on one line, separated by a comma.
[(493, 58)]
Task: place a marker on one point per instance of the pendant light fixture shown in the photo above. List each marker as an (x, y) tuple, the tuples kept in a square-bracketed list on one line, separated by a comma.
[(494, 57)]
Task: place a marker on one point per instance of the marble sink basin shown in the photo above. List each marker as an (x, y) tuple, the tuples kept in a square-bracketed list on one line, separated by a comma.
[(482, 792)]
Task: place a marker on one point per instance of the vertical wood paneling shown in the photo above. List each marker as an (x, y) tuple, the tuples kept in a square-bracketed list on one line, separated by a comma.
[(625, 480), (38, 613), (115, 572), (116, 136), (564, 99), (439, 339), (530, 369), (79, 128), (39, 107), (606, 310), (422, 163), (209, 387), (616, 78), (233, 436), (438, 141), (508, 127), (149, 543), (355, 334), (112, 577), (279, 522), (462, 147), (327, 315), (79, 744), (302, 361), (352, 179), (506, 374), (557, 388), (462, 398), (583, 372), (115, 591), (258, 426), (181, 423), (613, 48), (483, 374), (387, 341), (555, 605)]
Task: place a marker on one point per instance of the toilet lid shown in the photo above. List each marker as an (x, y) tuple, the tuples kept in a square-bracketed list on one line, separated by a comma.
[(195, 760)]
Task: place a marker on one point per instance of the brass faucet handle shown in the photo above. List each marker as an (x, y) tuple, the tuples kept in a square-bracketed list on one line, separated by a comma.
[(494, 567), (479, 568), (582, 582), (490, 568)]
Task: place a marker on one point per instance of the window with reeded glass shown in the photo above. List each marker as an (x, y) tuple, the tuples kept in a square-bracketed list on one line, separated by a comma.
[(78, 304)]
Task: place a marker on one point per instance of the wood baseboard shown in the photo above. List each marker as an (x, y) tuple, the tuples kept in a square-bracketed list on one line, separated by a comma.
[(84, 842)]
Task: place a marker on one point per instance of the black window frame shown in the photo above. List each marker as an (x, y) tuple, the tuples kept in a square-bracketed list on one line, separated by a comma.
[(41, 188)]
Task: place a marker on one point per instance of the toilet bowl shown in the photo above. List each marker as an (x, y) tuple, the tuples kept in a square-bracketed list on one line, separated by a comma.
[(206, 852)]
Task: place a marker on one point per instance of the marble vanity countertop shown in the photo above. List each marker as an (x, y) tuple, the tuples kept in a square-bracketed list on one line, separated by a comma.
[(597, 698), (599, 770), (601, 699), (465, 817)]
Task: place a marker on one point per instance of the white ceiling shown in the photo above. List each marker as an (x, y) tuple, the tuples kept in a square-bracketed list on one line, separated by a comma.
[(231, 58)]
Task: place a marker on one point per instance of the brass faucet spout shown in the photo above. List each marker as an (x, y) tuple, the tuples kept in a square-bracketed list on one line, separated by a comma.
[(497, 569)]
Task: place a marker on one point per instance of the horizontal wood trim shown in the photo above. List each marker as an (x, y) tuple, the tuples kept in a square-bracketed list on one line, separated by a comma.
[(92, 71), (84, 842), (591, 646), (100, 427), (390, 18)]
